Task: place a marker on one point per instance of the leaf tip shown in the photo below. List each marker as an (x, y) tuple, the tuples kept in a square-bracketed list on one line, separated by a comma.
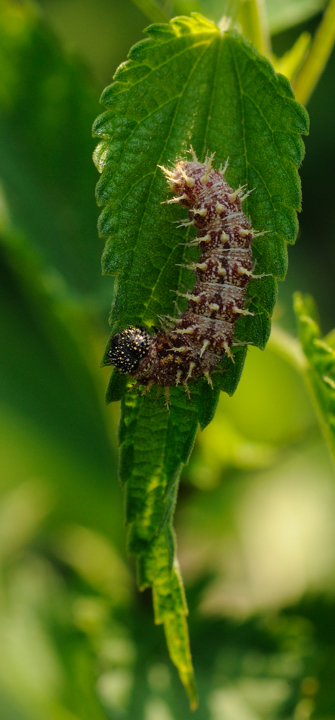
[(117, 387)]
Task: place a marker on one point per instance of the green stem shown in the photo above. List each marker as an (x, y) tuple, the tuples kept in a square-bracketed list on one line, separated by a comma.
[(230, 12), (317, 57), (253, 20), (152, 11)]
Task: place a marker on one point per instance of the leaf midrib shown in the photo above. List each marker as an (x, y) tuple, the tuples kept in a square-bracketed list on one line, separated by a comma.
[(248, 164), (172, 126)]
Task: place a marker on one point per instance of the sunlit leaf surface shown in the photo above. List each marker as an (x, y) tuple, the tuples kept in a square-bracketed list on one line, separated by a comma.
[(187, 83)]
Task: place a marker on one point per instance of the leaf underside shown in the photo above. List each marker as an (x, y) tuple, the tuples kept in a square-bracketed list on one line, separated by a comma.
[(186, 84)]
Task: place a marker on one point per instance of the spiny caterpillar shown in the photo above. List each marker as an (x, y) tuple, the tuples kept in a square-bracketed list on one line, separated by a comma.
[(191, 345)]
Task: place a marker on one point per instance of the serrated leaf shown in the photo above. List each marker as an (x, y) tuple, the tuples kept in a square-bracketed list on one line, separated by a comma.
[(187, 83), (117, 386), (156, 568), (154, 446), (321, 364)]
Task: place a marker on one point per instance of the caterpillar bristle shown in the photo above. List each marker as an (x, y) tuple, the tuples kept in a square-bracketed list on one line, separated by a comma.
[(191, 345)]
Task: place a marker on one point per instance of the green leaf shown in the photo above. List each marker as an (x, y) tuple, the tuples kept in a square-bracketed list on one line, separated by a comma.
[(154, 569), (116, 387), (154, 446), (187, 83), (243, 110), (320, 354)]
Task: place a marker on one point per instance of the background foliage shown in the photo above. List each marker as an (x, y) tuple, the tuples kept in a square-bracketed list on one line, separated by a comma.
[(255, 520)]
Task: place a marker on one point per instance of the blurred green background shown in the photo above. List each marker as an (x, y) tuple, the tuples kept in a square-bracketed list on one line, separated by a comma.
[(255, 519)]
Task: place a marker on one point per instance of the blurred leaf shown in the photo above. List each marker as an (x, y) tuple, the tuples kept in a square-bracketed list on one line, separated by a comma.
[(152, 9), (21, 511), (283, 14), (257, 662), (265, 537), (99, 33), (51, 636), (52, 404), (78, 491), (95, 559), (261, 420), (317, 688), (151, 119), (321, 364), (10, 710), (41, 365), (167, 9), (264, 410), (78, 655), (222, 446), (49, 679), (151, 468), (47, 106)]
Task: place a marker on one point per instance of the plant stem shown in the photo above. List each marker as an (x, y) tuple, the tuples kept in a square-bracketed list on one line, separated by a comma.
[(152, 10), (230, 11), (253, 19), (317, 57)]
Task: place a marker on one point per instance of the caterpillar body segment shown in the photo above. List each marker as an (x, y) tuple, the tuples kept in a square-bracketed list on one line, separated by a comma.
[(192, 344)]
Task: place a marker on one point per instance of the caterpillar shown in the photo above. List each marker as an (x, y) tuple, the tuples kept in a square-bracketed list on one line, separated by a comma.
[(191, 345)]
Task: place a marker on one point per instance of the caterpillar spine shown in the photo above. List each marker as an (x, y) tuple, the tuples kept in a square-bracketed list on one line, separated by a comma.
[(191, 345)]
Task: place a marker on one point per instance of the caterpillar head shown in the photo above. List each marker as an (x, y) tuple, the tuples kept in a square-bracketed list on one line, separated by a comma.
[(128, 348)]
